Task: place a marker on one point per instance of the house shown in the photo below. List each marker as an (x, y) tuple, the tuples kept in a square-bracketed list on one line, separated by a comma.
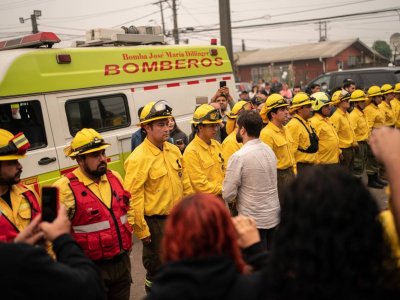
[(301, 63)]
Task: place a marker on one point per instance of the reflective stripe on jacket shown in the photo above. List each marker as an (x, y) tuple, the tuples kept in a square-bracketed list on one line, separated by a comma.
[(101, 232)]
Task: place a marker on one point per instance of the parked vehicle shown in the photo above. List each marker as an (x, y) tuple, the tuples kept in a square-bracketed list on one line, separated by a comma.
[(363, 78), (50, 94)]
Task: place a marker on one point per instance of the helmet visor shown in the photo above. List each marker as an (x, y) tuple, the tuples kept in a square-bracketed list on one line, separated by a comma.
[(160, 108), (212, 115)]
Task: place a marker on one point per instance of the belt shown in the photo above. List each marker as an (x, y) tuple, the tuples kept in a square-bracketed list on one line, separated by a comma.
[(158, 217), (112, 260)]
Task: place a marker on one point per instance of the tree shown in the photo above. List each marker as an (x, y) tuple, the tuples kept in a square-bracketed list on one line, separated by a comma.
[(382, 48)]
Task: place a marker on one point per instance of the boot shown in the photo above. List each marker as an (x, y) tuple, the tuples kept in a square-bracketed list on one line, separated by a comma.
[(373, 183)]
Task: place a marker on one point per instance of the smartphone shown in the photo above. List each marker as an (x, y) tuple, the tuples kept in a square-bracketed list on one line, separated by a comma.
[(222, 84), (49, 203)]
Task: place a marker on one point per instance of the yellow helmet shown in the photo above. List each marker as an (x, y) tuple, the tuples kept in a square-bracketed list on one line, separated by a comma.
[(299, 100), (374, 91), (239, 107), (397, 88), (275, 101), (320, 99), (206, 114), (155, 111), (85, 141), (358, 95), (236, 110), (12, 147), (336, 97), (386, 89)]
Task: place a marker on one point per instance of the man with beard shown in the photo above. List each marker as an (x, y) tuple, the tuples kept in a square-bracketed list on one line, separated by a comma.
[(18, 203), (251, 177), (156, 181), (97, 206)]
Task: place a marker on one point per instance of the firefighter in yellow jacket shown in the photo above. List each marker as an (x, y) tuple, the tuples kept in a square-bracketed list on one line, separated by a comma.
[(305, 140), (328, 140), (230, 145), (277, 136), (359, 124), (347, 140), (155, 178), (385, 107), (97, 206), (203, 158), (395, 104), (18, 203), (375, 119)]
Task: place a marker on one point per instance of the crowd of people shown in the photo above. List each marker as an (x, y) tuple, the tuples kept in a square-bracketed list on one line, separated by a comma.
[(263, 200)]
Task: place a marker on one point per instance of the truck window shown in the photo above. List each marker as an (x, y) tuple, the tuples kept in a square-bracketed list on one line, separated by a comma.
[(377, 78), (24, 117), (101, 113)]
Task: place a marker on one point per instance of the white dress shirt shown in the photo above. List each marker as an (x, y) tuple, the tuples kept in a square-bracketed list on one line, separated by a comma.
[(251, 179)]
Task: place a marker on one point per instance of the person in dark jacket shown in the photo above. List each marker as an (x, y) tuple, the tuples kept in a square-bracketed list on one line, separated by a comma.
[(176, 135), (28, 272), (201, 251)]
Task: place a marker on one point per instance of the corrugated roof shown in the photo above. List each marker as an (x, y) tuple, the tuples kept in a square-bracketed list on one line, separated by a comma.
[(298, 52)]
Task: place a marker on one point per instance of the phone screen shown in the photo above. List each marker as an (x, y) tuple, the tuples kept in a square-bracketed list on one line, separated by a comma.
[(222, 83), (49, 203)]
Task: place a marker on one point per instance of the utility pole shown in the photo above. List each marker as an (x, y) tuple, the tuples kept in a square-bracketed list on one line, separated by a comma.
[(162, 14), (175, 32), (36, 14), (225, 28), (323, 34)]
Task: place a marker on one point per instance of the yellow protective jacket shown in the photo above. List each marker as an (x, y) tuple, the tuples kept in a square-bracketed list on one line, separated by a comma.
[(229, 146), (328, 150), (20, 215), (341, 121), (387, 111), (301, 139), (281, 142), (375, 118), (156, 180), (359, 123), (205, 166), (395, 104)]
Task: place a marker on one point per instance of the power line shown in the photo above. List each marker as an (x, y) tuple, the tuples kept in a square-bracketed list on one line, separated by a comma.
[(305, 21)]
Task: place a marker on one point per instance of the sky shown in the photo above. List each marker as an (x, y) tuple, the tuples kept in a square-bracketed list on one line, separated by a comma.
[(70, 19)]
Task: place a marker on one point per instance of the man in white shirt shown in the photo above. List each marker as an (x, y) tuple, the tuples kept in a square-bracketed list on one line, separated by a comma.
[(251, 177)]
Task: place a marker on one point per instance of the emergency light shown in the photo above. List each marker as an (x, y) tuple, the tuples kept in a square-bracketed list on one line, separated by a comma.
[(31, 41)]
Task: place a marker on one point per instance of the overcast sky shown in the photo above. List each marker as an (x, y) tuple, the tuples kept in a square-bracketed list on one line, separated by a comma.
[(71, 18)]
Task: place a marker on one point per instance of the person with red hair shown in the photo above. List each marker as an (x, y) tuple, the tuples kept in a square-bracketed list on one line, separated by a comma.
[(202, 256)]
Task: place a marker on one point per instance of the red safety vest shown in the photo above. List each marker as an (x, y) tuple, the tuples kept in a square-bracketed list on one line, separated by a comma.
[(102, 232), (8, 231)]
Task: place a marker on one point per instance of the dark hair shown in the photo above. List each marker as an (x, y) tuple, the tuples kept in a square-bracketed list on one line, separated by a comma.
[(329, 241), (251, 121), (296, 86), (347, 83)]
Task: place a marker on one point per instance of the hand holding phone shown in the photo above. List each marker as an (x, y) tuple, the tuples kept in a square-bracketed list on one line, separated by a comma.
[(49, 203), (222, 84)]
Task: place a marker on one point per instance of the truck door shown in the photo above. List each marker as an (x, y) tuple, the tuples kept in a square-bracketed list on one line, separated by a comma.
[(30, 116)]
